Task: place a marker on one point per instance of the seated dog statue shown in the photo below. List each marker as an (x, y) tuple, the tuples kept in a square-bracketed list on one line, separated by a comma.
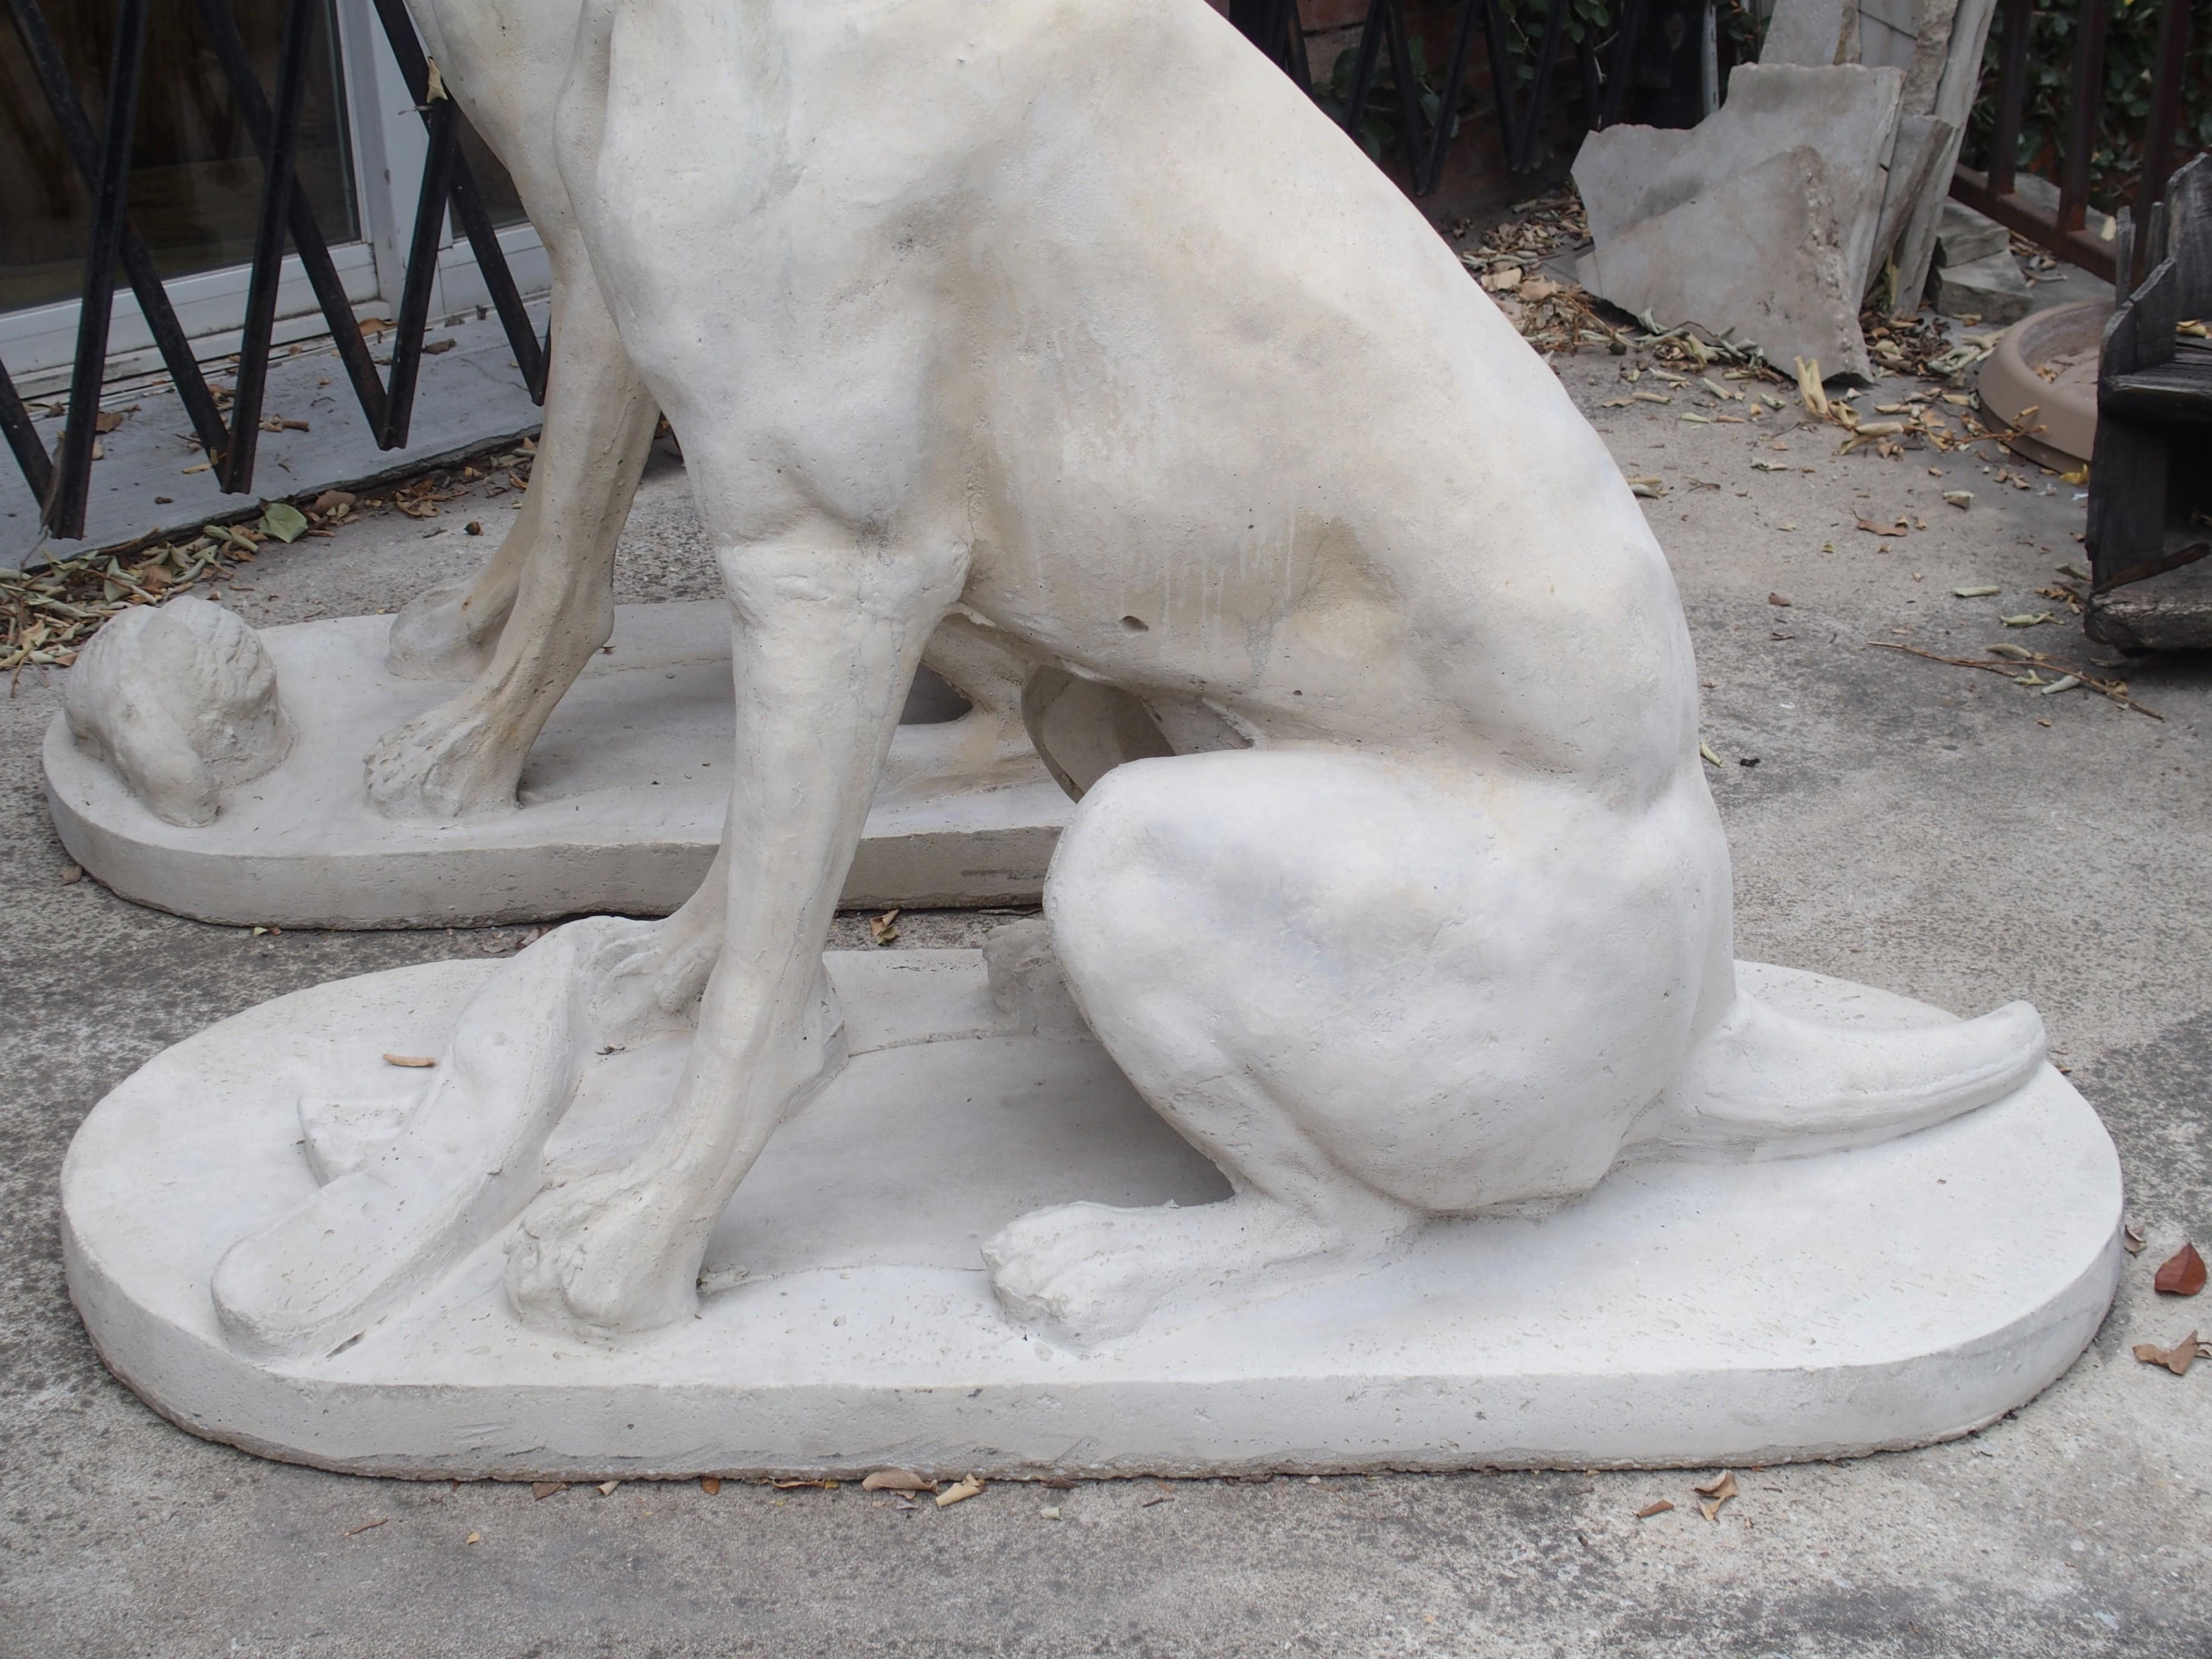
[(1394, 885)]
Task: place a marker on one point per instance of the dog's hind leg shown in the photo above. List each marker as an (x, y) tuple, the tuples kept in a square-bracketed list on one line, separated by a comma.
[(1370, 993)]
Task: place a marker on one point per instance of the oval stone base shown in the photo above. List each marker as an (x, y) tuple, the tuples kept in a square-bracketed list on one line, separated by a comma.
[(619, 812), (1681, 1314)]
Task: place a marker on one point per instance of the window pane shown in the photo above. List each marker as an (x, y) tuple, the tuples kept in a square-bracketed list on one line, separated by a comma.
[(195, 178), (493, 184)]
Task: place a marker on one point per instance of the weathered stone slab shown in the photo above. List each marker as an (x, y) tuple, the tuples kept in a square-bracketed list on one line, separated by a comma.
[(1963, 37), (1816, 34), (1756, 256), (1991, 288), (1681, 1313), (1922, 143), (1963, 236), (1844, 114)]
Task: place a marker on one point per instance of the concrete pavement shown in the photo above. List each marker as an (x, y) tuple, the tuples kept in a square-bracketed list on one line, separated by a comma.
[(1910, 824)]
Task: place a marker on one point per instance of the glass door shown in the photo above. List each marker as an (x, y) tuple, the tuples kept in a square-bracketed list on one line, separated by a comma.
[(196, 183)]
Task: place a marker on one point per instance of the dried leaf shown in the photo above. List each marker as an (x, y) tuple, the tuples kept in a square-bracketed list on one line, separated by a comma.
[(2063, 683), (960, 1493), (367, 1526), (436, 88), (282, 521), (2027, 620), (1049, 1512), (709, 1485), (2017, 653), (417, 1061), (1706, 750), (472, 1538), (1057, 1483), (542, 1490), (1900, 528), (607, 1488), (896, 1480), (1776, 598), (107, 420), (1982, 592), (2181, 1275), (1649, 1509), (72, 873), (1716, 1493), (1808, 389), (432, 348), (1650, 398), (1961, 499), (2176, 1359), (883, 929), (332, 500)]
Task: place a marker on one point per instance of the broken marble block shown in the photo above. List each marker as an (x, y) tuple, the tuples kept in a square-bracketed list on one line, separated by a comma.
[(1962, 236), (1989, 288), (1756, 256), (1841, 121), (180, 700)]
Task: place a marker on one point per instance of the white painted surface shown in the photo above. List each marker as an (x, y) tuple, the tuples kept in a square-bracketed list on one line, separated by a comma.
[(1681, 1313), (622, 805)]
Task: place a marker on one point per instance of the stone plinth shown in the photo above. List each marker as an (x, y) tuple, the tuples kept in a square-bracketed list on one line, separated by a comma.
[(620, 811), (1682, 1314)]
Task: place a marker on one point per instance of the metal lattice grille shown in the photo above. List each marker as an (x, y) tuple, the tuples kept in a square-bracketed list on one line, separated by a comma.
[(101, 156)]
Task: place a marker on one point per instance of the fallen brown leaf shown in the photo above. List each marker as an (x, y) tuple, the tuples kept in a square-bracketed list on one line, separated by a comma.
[(896, 1480), (1900, 528), (607, 1488), (883, 929), (1650, 1510), (2182, 1274), (1776, 598), (542, 1490), (1716, 1493), (960, 1493), (2131, 1237), (367, 1526), (709, 1485), (1057, 1483), (415, 1061), (72, 873), (2176, 1359)]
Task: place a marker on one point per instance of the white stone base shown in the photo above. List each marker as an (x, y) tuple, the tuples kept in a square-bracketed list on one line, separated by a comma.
[(621, 805), (1680, 1315)]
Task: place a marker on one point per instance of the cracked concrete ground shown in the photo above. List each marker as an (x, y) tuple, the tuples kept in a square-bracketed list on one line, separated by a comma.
[(1932, 830)]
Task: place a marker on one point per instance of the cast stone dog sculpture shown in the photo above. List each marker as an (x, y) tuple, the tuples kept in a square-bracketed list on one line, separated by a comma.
[(523, 627), (1079, 327)]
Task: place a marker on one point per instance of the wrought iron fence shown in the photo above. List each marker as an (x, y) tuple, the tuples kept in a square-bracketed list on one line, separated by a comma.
[(2063, 230), (1429, 122), (102, 156)]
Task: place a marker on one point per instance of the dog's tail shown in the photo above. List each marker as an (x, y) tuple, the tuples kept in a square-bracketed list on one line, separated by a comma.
[(1768, 1083)]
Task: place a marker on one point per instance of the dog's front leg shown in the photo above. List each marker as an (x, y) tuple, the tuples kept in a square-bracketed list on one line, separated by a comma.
[(829, 632)]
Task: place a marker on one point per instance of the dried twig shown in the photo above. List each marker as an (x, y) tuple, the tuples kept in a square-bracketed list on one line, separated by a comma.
[(2007, 666)]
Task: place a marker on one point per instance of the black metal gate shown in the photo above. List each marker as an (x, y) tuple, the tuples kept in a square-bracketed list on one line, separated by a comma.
[(102, 156), (1428, 124)]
